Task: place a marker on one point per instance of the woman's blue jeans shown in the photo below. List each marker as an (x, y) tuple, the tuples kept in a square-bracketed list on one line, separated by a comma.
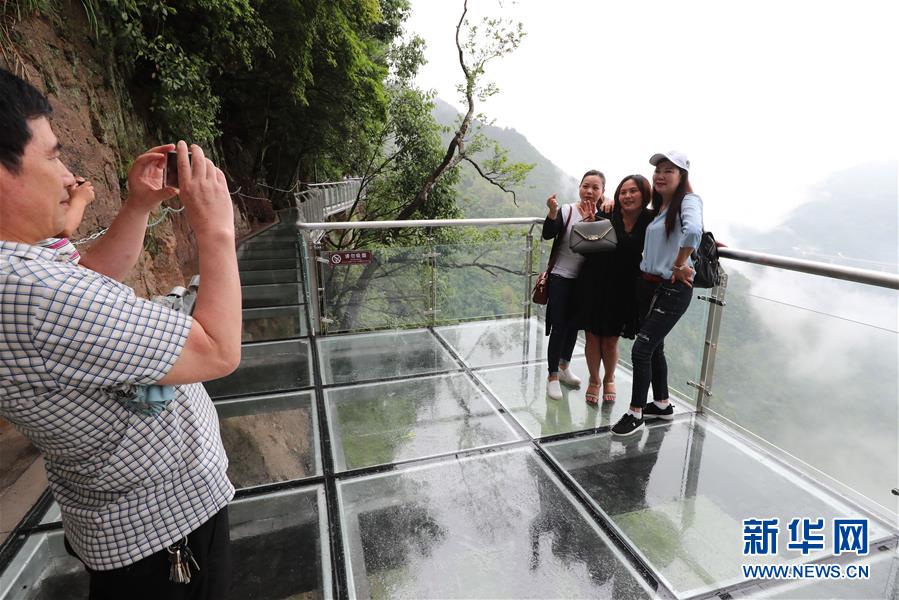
[(669, 303)]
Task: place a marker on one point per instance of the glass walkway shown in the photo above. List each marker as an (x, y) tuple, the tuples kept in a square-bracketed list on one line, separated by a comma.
[(427, 462)]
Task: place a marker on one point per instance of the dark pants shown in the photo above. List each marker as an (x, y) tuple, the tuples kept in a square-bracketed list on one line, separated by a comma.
[(668, 304), (563, 330), (148, 578)]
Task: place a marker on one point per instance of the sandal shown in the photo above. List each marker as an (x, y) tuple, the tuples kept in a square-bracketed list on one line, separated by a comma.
[(608, 396), (592, 395)]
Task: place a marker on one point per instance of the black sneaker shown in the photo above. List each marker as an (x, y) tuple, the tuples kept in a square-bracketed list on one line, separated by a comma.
[(651, 411), (627, 425)]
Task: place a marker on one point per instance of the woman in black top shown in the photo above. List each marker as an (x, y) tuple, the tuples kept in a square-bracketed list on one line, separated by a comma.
[(606, 287)]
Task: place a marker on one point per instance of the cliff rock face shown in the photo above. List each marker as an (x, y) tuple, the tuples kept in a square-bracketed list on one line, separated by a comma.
[(101, 132)]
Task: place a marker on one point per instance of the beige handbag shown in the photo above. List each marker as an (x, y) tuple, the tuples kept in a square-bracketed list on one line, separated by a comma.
[(591, 237)]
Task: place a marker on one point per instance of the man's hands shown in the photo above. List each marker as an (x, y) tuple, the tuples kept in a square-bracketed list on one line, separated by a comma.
[(205, 195), (146, 189)]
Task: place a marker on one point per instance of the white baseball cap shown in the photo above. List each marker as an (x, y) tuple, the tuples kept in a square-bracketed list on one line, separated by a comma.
[(678, 158)]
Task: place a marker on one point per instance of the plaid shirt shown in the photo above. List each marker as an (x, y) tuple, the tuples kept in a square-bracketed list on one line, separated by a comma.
[(127, 485)]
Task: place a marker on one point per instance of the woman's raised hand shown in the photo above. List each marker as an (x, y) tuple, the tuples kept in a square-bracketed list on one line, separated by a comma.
[(587, 209), (553, 205)]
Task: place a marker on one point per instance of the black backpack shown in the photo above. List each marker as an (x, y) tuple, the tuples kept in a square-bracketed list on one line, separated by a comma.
[(705, 262)]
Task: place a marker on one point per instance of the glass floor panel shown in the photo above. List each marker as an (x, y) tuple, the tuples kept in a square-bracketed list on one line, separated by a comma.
[(678, 492), (882, 582), (267, 251), (279, 546), (279, 294), (275, 276), (351, 358), (274, 323), (266, 264), (270, 439), (400, 420), (492, 526), (277, 553), (505, 341), (264, 368)]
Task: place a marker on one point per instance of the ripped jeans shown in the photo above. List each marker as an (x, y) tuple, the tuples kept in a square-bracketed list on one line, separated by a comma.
[(668, 304)]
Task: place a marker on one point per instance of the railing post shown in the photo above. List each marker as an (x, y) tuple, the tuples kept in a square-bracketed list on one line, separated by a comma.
[(529, 272), (710, 350), (432, 253)]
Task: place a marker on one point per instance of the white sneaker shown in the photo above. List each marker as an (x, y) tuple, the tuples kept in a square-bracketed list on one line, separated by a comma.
[(569, 378), (553, 389)]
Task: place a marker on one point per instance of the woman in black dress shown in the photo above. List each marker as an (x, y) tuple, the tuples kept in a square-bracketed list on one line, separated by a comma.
[(606, 287)]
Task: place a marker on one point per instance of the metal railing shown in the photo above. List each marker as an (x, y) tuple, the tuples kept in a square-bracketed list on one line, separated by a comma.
[(321, 200)]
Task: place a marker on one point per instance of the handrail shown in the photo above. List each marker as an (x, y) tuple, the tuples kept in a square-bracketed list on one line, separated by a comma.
[(419, 223), (865, 276)]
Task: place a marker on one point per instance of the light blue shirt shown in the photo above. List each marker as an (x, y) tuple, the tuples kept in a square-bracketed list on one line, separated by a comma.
[(660, 250)]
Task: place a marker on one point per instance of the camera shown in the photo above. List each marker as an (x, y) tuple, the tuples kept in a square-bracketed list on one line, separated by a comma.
[(171, 168)]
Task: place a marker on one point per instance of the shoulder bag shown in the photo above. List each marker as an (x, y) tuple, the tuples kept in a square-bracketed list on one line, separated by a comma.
[(592, 237), (540, 295)]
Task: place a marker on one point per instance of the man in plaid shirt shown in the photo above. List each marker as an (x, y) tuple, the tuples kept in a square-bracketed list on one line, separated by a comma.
[(75, 343)]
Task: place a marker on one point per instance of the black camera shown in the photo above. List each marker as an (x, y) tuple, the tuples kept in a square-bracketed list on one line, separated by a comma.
[(171, 168)]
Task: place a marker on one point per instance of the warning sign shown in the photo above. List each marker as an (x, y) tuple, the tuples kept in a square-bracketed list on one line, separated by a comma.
[(352, 257)]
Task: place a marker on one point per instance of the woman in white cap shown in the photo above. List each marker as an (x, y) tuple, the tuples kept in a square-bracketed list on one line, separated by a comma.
[(665, 288)]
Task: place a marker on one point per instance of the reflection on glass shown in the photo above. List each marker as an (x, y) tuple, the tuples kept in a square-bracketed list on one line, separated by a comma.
[(43, 570), (274, 323), (680, 491), (350, 358), (266, 367), (496, 525), (499, 342), (522, 390), (280, 294), (823, 388), (279, 546), (400, 420), (269, 439)]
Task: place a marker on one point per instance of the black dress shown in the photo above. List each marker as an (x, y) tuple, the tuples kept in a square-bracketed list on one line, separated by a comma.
[(607, 285)]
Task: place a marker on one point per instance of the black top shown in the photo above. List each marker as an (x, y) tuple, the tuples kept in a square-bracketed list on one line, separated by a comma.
[(606, 286)]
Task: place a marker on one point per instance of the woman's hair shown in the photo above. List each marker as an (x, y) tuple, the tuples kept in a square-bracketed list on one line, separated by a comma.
[(683, 188), (642, 184), (592, 172)]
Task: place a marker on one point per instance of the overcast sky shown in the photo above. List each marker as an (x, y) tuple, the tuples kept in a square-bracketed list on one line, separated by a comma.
[(766, 97)]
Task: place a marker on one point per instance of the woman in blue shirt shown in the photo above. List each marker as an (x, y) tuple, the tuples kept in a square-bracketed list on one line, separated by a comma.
[(665, 286)]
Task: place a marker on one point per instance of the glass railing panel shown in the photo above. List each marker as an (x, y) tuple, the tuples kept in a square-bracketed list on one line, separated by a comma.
[(280, 546), (43, 570), (810, 365), (392, 290), (483, 280), (278, 294), (270, 439), (265, 368), (683, 349), (267, 277), (504, 341), (274, 323), (489, 526), (372, 356), (522, 391), (679, 492), (265, 251), (408, 419)]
